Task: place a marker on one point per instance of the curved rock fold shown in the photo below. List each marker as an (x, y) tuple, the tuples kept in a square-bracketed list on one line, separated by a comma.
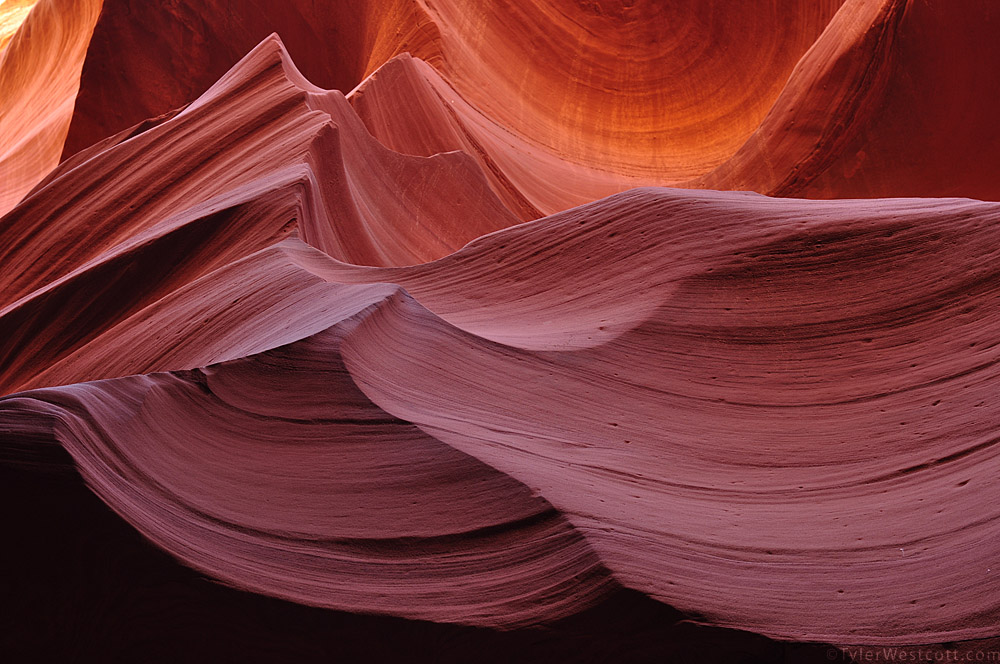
[(492, 343)]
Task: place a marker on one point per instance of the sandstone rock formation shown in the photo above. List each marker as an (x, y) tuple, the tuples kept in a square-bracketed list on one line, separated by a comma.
[(500, 315)]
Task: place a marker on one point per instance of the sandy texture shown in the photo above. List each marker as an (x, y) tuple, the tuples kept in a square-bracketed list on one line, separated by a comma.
[(445, 349)]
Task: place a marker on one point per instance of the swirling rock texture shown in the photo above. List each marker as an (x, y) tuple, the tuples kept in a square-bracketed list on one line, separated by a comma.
[(510, 330), (40, 66)]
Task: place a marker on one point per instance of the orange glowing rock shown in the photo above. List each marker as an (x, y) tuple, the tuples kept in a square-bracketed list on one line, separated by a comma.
[(39, 79), (516, 314)]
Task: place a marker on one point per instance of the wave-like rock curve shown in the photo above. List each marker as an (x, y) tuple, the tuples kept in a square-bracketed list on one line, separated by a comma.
[(442, 348)]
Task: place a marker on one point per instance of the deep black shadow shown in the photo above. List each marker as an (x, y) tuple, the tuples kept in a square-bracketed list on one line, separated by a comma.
[(81, 585)]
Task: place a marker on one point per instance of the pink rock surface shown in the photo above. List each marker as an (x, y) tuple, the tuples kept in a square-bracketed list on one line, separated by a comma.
[(430, 350)]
